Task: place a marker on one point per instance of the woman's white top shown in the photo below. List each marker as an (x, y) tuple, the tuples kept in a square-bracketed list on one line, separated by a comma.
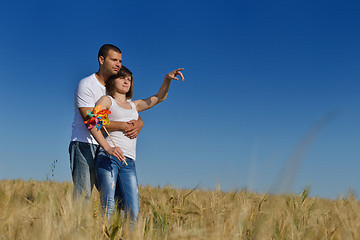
[(127, 145)]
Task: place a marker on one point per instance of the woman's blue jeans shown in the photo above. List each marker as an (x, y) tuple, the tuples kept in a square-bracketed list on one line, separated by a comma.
[(117, 182)]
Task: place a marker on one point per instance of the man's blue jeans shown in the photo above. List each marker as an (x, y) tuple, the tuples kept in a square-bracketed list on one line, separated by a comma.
[(117, 182), (82, 164)]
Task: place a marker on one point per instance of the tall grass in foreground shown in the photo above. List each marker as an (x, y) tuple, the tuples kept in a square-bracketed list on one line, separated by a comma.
[(45, 210)]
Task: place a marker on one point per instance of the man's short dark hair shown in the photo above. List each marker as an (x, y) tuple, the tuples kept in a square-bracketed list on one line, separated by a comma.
[(104, 50)]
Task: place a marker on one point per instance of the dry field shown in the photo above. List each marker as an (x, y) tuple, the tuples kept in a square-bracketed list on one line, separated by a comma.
[(45, 210)]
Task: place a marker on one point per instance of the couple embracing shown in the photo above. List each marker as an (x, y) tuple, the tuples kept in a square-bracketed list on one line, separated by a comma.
[(94, 160)]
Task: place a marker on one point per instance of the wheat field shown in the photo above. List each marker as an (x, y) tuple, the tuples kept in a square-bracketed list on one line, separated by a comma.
[(45, 210)]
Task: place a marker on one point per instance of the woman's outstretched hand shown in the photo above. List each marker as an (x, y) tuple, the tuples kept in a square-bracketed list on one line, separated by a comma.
[(172, 75), (116, 152), (144, 104)]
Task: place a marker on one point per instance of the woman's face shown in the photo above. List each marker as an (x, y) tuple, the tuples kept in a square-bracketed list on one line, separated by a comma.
[(123, 84)]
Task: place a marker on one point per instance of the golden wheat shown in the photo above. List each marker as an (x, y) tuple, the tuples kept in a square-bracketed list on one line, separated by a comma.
[(45, 210)]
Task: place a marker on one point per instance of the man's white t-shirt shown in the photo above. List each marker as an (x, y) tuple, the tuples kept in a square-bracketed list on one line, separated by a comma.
[(87, 93)]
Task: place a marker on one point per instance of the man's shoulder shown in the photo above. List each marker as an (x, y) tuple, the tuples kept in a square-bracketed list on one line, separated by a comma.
[(90, 78), (88, 82)]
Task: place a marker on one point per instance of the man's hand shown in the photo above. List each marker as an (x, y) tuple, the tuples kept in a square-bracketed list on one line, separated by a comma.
[(133, 128)]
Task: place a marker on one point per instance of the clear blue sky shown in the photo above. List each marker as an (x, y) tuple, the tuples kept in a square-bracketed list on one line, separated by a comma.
[(259, 75)]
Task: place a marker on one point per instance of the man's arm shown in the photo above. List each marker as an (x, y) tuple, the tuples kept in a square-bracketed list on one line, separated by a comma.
[(83, 112), (136, 126), (131, 128)]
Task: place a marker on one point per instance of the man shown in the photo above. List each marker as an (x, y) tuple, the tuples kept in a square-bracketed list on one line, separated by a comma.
[(83, 146)]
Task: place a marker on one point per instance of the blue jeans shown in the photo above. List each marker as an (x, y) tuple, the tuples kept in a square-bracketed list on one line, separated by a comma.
[(117, 182), (82, 165)]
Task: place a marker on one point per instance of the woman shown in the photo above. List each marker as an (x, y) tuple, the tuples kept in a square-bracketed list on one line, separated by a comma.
[(118, 178)]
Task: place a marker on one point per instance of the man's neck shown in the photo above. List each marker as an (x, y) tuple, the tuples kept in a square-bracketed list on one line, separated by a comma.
[(101, 77)]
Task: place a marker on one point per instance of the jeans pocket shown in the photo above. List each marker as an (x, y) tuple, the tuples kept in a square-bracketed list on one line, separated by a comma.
[(130, 163)]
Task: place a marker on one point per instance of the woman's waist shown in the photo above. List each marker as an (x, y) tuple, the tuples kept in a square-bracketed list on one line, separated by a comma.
[(121, 141), (104, 157)]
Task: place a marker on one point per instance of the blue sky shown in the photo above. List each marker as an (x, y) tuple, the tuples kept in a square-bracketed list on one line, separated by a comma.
[(260, 78)]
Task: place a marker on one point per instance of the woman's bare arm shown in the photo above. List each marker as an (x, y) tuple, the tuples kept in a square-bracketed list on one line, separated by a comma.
[(144, 104), (105, 103)]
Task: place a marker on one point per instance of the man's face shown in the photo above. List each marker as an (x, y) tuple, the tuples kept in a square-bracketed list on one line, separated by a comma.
[(112, 63)]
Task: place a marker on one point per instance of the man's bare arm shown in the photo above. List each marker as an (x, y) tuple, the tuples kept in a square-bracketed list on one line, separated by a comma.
[(131, 128), (136, 126), (83, 112), (117, 126)]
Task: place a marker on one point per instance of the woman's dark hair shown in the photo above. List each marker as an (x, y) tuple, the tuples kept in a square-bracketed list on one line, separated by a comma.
[(110, 83)]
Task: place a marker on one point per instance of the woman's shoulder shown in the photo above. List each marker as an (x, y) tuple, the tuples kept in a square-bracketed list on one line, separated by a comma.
[(131, 102), (105, 101), (105, 98)]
